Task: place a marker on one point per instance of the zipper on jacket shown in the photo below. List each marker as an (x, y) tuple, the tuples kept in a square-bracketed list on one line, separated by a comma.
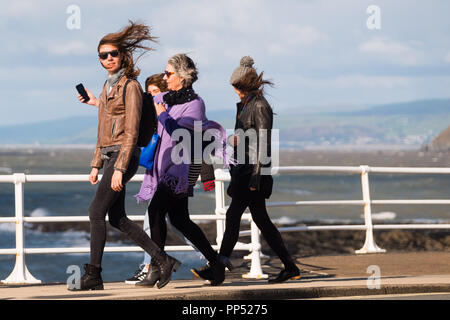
[(113, 127)]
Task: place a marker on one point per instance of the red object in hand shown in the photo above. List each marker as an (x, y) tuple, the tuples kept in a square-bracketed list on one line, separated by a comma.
[(209, 185)]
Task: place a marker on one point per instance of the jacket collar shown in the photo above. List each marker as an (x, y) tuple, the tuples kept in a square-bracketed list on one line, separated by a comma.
[(116, 88)]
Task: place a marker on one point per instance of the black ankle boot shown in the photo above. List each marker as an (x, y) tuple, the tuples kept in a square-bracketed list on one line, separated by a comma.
[(91, 280), (166, 265), (218, 274), (151, 278), (214, 271), (293, 273)]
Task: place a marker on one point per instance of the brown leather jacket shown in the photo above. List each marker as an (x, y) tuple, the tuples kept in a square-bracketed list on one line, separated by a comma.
[(118, 124)]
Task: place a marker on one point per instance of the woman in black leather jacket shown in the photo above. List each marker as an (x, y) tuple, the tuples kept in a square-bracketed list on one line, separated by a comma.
[(251, 180)]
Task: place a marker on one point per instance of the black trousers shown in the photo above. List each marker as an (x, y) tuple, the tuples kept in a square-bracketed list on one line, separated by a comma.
[(256, 202), (164, 202), (108, 201)]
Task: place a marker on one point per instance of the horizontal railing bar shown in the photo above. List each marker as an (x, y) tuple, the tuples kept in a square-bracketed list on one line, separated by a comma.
[(409, 170), (296, 169), (411, 226), (8, 251), (239, 246), (312, 203), (313, 228), (223, 211), (356, 227), (86, 218), (223, 174), (411, 201)]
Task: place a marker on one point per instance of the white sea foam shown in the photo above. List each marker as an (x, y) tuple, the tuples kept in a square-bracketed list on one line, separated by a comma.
[(284, 220), (40, 212), (7, 227), (296, 192), (385, 215), (6, 170), (425, 221)]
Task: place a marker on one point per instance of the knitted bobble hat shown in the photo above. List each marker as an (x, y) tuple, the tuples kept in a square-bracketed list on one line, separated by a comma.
[(246, 65)]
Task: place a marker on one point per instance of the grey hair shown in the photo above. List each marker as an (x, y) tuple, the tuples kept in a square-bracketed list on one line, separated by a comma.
[(185, 68)]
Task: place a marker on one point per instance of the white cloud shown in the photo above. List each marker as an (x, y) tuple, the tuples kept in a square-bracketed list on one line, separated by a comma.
[(393, 51), (291, 37), (353, 81), (21, 8), (42, 77), (70, 48), (361, 81)]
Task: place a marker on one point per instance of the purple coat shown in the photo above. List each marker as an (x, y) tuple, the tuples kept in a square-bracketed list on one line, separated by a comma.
[(164, 170)]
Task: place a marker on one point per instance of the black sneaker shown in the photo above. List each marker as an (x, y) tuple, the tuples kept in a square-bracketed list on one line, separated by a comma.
[(138, 276)]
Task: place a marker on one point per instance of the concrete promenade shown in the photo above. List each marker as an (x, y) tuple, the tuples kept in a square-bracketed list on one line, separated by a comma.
[(323, 276)]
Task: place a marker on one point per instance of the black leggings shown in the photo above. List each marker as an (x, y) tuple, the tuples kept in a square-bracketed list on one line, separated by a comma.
[(257, 205), (108, 201), (164, 203)]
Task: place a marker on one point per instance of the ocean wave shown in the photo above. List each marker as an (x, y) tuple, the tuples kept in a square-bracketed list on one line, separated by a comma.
[(385, 215), (425, 221), (284, 220), (8, 227), (296, 192), (40, 212), (6, 170), (69, 238)]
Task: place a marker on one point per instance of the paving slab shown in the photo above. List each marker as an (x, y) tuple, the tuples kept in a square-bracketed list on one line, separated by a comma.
[(322, 276)]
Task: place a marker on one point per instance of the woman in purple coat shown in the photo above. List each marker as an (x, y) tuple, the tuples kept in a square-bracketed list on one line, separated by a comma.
[(171, 182)]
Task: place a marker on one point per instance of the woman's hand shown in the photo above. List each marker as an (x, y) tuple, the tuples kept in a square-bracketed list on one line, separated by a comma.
[(93, 176), (116, 181), (159, 107), (93, 101)]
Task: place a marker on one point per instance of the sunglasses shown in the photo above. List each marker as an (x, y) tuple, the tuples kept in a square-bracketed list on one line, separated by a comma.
[(168, 73), (104, 55)]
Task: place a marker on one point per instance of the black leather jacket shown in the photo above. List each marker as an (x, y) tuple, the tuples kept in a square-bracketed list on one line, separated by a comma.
[(255, 119)]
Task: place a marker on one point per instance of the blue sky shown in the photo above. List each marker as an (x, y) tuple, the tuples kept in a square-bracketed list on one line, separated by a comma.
[(320, 54)]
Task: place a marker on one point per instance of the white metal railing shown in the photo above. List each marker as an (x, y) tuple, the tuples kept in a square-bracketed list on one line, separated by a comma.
[(20, 273)]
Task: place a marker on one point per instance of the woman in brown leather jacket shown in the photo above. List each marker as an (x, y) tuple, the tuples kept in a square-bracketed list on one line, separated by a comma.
[(117, 152), (251, 180)]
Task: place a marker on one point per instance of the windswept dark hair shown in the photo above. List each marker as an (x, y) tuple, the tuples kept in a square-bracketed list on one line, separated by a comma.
[(156, 80), (128, 40), (252, 83)]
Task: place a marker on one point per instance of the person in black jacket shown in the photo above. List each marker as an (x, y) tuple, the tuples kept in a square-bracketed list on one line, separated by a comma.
[(251, 180)]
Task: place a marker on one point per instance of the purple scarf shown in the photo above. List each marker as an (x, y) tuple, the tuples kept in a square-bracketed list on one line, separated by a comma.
[(175, 176)]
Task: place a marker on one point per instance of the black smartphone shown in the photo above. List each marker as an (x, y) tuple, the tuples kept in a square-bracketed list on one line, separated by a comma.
[(82, 92)]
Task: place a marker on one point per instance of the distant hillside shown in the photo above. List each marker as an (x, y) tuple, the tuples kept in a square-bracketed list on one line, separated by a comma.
[(77, 130), (419, 107), (410, 124)]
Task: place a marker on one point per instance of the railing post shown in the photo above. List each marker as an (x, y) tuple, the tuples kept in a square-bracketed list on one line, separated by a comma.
[(369, 244), (255, 268), (20, 274), (220, 205)]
